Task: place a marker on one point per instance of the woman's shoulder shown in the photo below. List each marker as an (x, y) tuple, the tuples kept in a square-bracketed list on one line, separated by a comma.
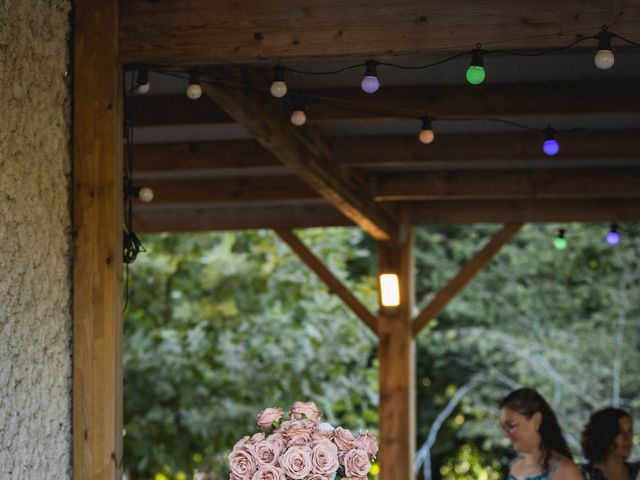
[(565, 469)]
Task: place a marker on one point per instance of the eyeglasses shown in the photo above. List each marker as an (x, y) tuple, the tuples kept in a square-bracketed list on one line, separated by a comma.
[(509, 427)]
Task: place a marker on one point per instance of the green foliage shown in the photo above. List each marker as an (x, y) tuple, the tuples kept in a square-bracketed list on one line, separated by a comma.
[(220, 326)]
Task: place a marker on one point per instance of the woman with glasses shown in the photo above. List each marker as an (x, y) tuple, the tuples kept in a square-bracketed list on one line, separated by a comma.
[(529, 423), (607, 440)]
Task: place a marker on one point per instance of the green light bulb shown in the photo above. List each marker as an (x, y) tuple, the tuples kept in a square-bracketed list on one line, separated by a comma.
[(560, 243), (475, 74)]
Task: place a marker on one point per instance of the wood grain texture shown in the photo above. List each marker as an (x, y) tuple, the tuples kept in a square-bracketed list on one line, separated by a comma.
[(620, 210), (306, 153), (524, 184), (245, 217), (97, 267), (199, 31), (334, 284), (396, 351), (465, 275)]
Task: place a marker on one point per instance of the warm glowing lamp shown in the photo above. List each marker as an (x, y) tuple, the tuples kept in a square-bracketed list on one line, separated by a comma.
[(389, 290)]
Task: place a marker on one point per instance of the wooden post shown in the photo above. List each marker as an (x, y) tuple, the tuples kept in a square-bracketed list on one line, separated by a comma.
[(397, 363), (97, 268)]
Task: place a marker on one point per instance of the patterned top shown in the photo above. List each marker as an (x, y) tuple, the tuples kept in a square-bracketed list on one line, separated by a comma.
[(591, 472)]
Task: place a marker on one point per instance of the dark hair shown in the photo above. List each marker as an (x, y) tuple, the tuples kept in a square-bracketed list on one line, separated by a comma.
[(600, 431), (526, 401)]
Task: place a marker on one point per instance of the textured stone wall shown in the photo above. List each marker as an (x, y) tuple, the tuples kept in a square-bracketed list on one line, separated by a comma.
[(35, 244)]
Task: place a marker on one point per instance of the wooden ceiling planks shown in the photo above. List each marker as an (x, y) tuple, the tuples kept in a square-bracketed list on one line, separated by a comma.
[(200, 32)]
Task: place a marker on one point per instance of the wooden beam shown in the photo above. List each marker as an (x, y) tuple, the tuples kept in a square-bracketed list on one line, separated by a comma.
[(248, 157), (334, 284), (619, 210), (197, 31), (465, 275), (198, 219), (305, 152), (441, 101), (524, 184), (231, 190), (97, 241), (396, 351)]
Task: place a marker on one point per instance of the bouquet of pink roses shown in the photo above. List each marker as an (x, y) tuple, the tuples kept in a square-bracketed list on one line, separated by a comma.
[(301, 448)]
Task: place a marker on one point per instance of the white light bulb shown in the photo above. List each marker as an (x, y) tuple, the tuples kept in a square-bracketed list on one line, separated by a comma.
[(389, 290), (143, 88), (194, 91), (298, 118), (278, 89), (604, 59), (145, 195), (426, 136)]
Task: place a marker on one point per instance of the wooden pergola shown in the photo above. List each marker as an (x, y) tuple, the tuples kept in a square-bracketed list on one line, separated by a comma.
[(278, 176)]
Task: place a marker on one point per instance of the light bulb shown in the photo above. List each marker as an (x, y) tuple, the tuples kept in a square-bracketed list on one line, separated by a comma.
[(613, 237), (194, 90), (476, 73), (370, 82), (298, 118), (389, 290), (145, 195), (143, 86), (278, 87), (550, 146), (426, 133), (560, 242), (604, 58)]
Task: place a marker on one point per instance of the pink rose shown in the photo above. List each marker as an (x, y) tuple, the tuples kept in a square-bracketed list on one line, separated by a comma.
[(316, 476), (319, 435), (324, 458), (278, 440), (296, 462), (268, 416), (267, 452), (243, 441), (367, 441), (242, 461), (269, 472), (301, 410), (356, 463), (343, 439), (257, 438), (297, 432)]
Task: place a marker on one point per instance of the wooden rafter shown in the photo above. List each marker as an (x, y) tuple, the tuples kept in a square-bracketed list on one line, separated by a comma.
[(441, 101), (591, 183), (226, 31), (306, 153), (329, 278), (464, 276), (248, 157)]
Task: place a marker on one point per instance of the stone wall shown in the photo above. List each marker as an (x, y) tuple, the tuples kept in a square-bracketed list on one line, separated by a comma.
[(35, 243)]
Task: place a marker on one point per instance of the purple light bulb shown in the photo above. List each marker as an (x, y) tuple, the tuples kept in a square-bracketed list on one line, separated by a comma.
[(370, 84), (551, 147), (613, 237)]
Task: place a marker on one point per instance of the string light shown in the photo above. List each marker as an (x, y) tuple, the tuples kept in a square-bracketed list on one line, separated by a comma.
[(604, 58), (144, 194), (426, 133), (194, 90), (560, 242), (475, 73), (550, 146), (298, 115), (278, 87), (370, 82), (142, 82), (613, 237)]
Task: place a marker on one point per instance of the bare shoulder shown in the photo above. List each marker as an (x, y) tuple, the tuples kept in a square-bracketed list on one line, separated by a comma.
[(566, 470)]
